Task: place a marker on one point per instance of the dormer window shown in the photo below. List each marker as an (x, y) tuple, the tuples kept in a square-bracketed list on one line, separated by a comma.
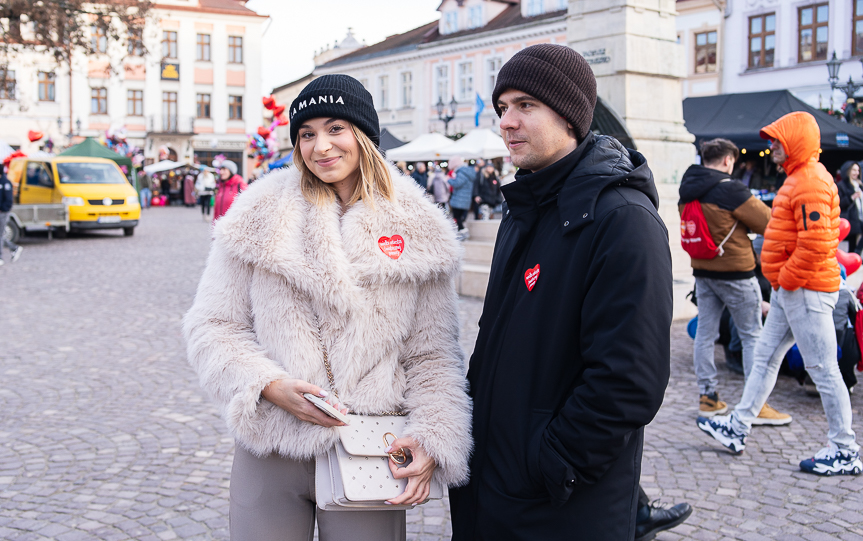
[(475, 17), (534, 8), (450, 22)]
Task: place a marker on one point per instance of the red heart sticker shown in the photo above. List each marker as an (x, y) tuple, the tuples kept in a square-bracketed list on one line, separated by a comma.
[(531, 276), (392, 246)]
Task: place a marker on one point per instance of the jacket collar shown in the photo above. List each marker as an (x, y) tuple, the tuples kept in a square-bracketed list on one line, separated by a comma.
[(272, 226)]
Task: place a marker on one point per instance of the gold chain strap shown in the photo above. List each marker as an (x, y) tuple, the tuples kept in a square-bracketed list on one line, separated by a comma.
[(332, 380)]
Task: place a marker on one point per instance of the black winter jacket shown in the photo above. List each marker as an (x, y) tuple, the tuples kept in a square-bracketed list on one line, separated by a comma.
[(572, 357), (847, 206), (5, 193)]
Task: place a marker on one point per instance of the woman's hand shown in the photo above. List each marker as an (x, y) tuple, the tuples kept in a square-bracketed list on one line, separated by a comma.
[(418, 473), (288, 395)]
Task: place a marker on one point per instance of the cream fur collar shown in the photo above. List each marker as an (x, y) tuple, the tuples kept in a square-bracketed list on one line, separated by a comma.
[(272, 226)]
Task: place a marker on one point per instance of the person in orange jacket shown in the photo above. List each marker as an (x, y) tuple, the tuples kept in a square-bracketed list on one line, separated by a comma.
[(799, 260)]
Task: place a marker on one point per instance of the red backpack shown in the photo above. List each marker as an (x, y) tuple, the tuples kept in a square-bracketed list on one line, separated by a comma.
[(695, 234)]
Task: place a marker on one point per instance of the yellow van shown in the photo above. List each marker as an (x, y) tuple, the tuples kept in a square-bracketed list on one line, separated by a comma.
[(94, 190)]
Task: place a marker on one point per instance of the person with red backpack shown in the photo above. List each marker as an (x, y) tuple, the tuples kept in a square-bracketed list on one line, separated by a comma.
[(716, 214)]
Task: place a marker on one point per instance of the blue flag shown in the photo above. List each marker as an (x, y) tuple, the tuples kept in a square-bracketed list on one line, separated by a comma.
[(479, 108)]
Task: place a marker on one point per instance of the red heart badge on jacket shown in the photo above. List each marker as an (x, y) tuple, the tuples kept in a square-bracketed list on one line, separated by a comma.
[(392, 246), (531, 276)]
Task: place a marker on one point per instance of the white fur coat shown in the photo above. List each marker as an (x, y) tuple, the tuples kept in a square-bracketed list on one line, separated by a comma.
[(390, 325)]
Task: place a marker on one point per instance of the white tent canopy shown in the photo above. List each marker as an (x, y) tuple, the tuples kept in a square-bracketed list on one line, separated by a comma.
[(428, 146), (164, 165), (478, 143)]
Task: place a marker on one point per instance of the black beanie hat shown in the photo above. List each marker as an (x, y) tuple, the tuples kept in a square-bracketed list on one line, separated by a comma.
[(335, 96), (555, 75)]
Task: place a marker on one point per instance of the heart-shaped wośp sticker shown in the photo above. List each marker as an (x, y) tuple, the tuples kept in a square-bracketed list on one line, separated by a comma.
[(392, 246), (531, 276)]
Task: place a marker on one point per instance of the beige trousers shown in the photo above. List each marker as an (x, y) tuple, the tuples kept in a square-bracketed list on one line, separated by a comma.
[(273, 499)]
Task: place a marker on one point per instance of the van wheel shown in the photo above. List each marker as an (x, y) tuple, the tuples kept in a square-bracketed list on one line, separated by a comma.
[(60, 233), (128, 231), (12, 232)]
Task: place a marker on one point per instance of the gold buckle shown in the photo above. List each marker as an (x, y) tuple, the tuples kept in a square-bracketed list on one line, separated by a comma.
[(399, 456)]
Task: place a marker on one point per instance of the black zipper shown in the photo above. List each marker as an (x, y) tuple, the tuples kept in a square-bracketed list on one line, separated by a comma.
[(805, 228)]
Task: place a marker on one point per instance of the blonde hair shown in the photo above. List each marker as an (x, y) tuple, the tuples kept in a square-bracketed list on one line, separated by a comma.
[(375, 179)]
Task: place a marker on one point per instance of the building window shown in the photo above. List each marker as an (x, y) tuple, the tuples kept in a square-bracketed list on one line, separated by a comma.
[(450, 22), (365, 82), (475, 17), (235, 107), (169, 44), (7, 84), (46, 86), (135, 43), (812, 33), (762, 40), (203, 101), (534, 7), (135, 102), (169, 111), (407, 89), (235, 49), (384, 96), (562, 4), (493, 67), (99, 101), (98, 39), (442, 76), (705, 52), (465, 81), (203, 47), (857, 40)]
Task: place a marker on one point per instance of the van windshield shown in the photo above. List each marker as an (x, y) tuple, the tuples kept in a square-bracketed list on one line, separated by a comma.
[(89, 173)]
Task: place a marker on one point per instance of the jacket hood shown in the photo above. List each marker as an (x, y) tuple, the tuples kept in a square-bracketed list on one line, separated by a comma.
[(605, 163), (800, 137), (697, 181), (235, 179), (845, 169)]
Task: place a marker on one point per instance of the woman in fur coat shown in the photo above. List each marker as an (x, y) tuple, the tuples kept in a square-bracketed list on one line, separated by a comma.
[(344, 245)]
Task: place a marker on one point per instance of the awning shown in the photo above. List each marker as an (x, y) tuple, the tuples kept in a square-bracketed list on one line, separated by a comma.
[(740, 117), (389, 141), (164, 165), (478, 143), (427, 146)]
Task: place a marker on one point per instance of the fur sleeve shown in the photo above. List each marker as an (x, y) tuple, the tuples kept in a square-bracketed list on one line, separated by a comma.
[(436, 397), (222, 347)]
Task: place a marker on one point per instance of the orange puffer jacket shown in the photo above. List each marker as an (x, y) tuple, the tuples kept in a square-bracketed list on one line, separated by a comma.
[(803, 233)]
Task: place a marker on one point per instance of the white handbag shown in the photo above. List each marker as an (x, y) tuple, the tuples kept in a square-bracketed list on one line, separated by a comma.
[(354, 475)]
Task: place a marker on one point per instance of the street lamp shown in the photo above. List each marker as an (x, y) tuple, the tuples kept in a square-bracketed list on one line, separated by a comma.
[(78, 127), (453, 105), (850, 88)]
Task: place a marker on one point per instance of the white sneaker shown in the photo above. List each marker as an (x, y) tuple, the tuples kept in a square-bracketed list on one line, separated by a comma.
[(16, 254), (2, 262)]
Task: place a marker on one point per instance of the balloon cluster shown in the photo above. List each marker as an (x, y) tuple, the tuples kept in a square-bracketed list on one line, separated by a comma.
[(116, 141), (264, 145)]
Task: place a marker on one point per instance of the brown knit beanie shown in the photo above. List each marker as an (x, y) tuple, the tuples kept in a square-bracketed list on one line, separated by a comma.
[(555, 75)]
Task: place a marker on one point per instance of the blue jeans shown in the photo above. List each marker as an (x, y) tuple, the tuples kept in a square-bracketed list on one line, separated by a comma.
[(804, 316), (146, 195), (4, 217), (743, 299)]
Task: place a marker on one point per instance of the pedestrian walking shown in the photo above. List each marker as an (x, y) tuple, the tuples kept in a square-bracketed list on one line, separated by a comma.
[(487, 191), (336, 274), (420, 175), (440, 188), (229, 187), (851, 203), (799, 259), (725, 276), (189, 198), (462, 184), (6, 201), (205, 186), (572, 356), (146, 192)]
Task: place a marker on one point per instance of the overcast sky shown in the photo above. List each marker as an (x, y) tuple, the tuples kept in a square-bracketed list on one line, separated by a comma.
[(300, 27)]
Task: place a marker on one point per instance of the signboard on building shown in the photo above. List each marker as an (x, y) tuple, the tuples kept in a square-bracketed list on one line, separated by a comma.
[(170, 72), (842, 139)]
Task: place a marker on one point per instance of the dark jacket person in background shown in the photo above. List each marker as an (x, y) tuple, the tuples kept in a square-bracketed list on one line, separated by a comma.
[(851, 202), (572, 357)]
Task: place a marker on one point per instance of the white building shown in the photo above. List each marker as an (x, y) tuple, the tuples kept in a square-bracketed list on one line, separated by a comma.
[(195, 93), (771, 45), (449, 60)]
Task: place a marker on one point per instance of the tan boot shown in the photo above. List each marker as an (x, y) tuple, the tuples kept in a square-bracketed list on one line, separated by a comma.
[(770, 416), (710, 405)]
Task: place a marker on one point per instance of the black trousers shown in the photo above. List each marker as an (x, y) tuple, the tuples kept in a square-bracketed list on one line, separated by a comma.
[(459, 215), (205, 201), (643, 500)]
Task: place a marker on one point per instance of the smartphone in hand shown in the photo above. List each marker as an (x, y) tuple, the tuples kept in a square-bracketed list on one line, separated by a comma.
[(325, 407)]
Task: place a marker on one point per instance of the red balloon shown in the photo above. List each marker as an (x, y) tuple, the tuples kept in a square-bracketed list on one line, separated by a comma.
[(34, 135), (844, 228), (15, 155), (277, 110), (851, 261), (269, 102), (283, 120), (264, 132)]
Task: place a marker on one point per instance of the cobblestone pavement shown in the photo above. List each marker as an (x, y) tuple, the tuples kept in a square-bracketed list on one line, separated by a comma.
[(104, 433)]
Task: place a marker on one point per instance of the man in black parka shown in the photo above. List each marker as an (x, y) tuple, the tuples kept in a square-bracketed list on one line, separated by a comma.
[(572, 357)]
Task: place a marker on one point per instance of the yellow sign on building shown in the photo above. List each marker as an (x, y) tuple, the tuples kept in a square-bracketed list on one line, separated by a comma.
[(171, 72)]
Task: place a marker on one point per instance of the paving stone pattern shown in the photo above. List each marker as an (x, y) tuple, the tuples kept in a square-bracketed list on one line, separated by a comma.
[(105, 434)]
